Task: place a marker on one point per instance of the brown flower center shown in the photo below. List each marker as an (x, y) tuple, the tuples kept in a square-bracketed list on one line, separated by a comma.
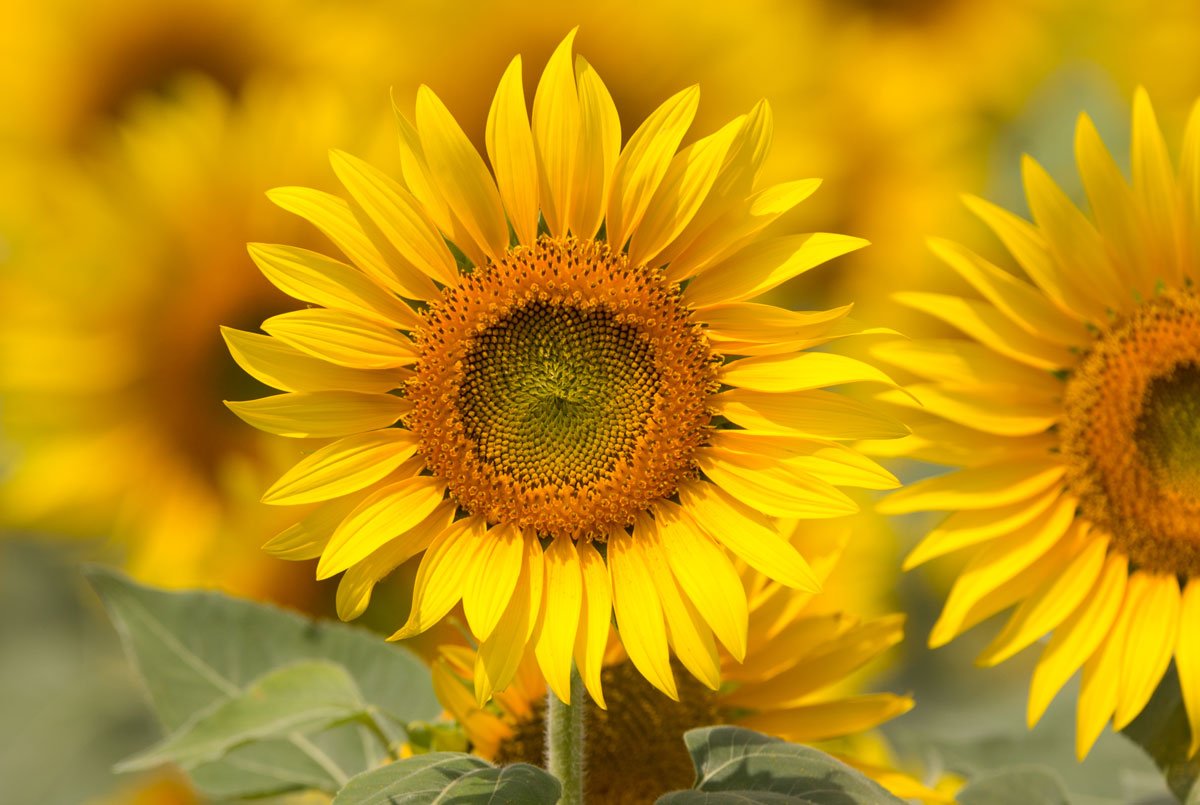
[(1132, 434), (634, 749), (561, 389)]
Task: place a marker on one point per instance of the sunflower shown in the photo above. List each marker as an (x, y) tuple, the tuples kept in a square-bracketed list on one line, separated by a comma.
[(799, 682), (574, 438), (110, 367), (1071, 412)]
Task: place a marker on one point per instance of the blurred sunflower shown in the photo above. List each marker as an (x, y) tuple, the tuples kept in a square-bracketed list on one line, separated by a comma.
[(1072, 409), (110, 364), (560, 393), (799, 682)]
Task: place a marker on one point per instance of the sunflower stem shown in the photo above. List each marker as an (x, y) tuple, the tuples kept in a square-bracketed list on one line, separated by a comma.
[(564, 741)]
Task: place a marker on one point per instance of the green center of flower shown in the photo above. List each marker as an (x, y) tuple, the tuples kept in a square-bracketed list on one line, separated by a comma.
[(552, 392), (561, 389), (1131, 434), (1168, 433), (634, 749)]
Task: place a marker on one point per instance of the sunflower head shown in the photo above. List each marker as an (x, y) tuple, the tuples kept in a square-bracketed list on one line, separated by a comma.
[(1071, 408), (548, 378)]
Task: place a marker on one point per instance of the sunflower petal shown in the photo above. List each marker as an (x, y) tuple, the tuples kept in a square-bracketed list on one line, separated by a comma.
[(747, 533), (1101, 686), (342, 339), (818, 414), (345, 466), (1187, 659), (443, 573), (382, 516), (1112, 205), (1150, 646), (833, 719), (644, 161), (500, 654), (800, 372), (493, 580), (510, 148), (561, 618), (599, 148), (595, 620), (1157, 193), (1005, 411), (774, 487), (976, 488), (274, 363), (320, 414), (639, 612), (312, 277), (556, 122), (968, 527)]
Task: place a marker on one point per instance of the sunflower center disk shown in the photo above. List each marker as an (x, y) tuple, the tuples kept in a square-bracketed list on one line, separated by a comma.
[(633, 749), (1132, 434), (561, 389)]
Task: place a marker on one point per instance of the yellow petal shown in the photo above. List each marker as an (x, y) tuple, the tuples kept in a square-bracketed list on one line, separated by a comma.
[(644, 161), (1151, 642), (321, 280), (382, 516), (1157, 194), (320, 414), (752, 322), (998, 563), (342, 339), (1073, 241), (706, 576), (684, 187), (1021, 302), (1112, 205), (965, 365), (460, 175), (357, 583), (976, 488), (493, 579), (1048, 607), (599, 148), (639, 613), (1189, 180), (1187, 659), (986, 324), (561, 618), (801, 372), (1004, 412), (1077, 638), (819, 414), (510, 148), (1101, 686), (942, 442), (501, 652), (731, 229), (346, 466), (594, 620), (336, 220), (274, 363), (442, 575), (420, 254), (556, 121), (747, 533), (829, 461), (687, 633), (825, 720), (1030, 250), (761, 266), (308, 538), (774, 487), (973, 526)]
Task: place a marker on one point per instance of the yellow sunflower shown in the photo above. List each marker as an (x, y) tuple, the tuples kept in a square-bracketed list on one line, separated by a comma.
[(798, 682), (1071, 409), (110, 367), (573, 437)]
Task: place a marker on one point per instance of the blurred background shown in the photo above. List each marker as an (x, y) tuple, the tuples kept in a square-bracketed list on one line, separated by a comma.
[(136, 142)]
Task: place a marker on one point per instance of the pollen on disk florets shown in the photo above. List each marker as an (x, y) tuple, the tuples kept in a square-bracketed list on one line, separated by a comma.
[(561, 389), (1131, 433)]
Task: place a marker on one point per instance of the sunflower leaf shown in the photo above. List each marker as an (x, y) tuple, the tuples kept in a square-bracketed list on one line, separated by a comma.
[(198, 651), (735, 765), (450, 777), (1018, 785), (1161, 730)]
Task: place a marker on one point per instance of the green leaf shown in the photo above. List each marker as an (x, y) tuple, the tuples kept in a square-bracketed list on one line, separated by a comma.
[(195, 650), (1161, 729), (1018, 785), (735, 765), (295, 700), (450, 777)]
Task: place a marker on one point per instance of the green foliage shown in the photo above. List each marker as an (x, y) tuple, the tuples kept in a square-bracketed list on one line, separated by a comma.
[(1019, 785), (220, 670), (735, 765), (1162, 730), (450, 777)]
